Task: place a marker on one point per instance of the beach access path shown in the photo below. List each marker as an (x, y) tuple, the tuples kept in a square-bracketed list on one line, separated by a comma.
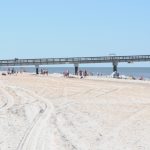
[(52, 112)]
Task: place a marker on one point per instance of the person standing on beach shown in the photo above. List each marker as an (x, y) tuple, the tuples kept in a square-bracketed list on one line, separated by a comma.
[(47, 72), (85, 73), (97, 74)]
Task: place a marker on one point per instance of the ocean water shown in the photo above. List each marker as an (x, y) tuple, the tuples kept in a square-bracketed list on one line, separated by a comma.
[(134, 71)]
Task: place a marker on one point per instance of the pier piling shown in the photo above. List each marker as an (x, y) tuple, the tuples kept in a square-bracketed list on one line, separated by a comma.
[(76, 68), (37, 69), (115, 64)]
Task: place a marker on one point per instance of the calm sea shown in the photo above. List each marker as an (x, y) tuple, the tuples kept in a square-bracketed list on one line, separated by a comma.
[(136, 72)]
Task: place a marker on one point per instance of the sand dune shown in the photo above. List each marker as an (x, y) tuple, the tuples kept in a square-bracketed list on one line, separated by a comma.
[(44, 113)]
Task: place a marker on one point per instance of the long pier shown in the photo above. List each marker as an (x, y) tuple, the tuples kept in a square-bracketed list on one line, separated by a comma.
[(75, 60)]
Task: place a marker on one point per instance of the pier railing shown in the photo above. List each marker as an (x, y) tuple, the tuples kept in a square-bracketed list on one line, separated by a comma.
[(74, 60)]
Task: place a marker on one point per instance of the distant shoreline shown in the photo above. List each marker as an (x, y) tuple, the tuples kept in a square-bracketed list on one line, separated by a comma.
[(92, 78)]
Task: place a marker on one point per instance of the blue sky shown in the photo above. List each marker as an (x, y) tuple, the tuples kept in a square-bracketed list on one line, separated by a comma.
[(66, 28)]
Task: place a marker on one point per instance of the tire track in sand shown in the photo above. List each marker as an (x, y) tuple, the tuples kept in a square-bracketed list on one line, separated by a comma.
[(32, 135), (8, 99)]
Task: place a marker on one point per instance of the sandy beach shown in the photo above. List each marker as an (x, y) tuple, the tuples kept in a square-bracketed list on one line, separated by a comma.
[(56, 113)]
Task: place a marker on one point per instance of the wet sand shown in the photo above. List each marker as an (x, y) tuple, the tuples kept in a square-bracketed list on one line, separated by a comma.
[(52, 112)]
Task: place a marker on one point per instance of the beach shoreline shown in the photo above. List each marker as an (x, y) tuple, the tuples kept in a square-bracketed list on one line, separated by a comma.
[(89, 77)]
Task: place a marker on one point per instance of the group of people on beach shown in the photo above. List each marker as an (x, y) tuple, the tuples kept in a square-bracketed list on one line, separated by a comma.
[(44, 71), (66, 73), (82, 73), (79, 73), (118, 76), (11, 71)]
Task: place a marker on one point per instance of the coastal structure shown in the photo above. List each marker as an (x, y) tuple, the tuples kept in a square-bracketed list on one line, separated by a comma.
[(75, 60)]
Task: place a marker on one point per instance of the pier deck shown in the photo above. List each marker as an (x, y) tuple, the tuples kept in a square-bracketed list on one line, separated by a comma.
[(75, 60)]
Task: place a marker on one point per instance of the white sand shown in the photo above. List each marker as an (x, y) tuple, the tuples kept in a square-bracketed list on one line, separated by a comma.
[(55, 113)]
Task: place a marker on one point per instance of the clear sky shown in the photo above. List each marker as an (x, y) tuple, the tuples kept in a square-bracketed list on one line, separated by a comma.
[(65, 28)]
